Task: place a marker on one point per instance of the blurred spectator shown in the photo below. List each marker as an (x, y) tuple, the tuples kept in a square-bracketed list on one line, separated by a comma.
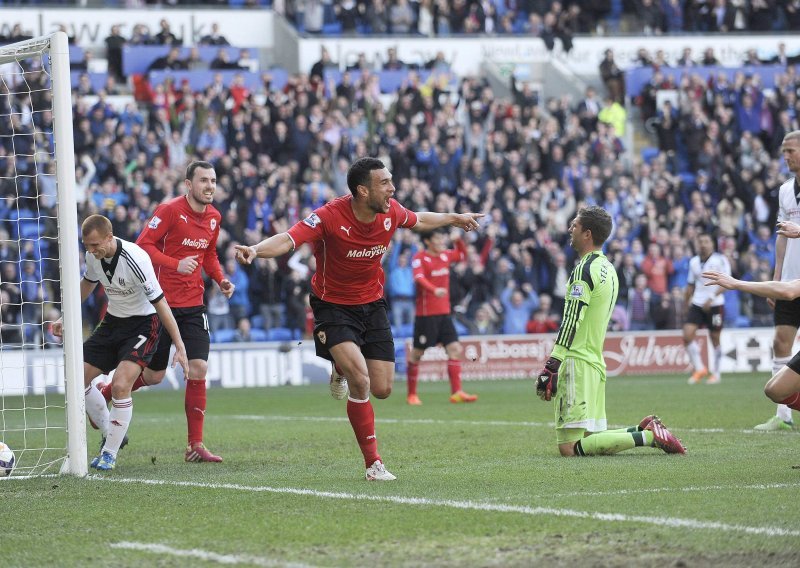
[(243, 331), (114, 44), (401, 17), (219, 312), (240, 301), (172, 60), (518, 305), (613, 77), (165, 35), (639, 300), (214, 37)]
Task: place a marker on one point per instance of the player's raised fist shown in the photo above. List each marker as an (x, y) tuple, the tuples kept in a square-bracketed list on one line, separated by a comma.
[(245, 254)]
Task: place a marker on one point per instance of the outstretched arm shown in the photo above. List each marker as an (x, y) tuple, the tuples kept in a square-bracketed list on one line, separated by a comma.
[(274, 246), (770, 289), (427, 221)]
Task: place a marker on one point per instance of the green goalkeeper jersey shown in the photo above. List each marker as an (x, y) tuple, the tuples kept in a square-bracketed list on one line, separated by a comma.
[(591, 295)]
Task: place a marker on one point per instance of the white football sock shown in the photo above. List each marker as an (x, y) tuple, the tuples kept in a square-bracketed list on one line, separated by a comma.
[(119, 418), (97, 408), (717, 360), (694, 355), (784, 413), (779, 363)]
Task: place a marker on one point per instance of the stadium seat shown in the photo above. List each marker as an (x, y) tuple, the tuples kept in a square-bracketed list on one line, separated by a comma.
[(224, 335), (258, 335), (332, 29), (649, 154), (257, 321), (687, 179), (461, 329), (279, 334), (404, 330)]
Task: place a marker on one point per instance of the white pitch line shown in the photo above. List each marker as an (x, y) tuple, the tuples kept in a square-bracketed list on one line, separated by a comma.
[(203, 554), (691, 489), (672, 522)]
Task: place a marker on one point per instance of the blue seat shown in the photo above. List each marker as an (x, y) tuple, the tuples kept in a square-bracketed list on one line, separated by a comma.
[(258, 335), (257, 322), (649, 154), (404, 330), (687, 179), (461, 329), (332, 29), (224, 335), (279, 334)]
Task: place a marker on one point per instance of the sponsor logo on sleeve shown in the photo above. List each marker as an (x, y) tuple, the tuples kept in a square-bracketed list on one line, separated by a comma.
[(154, 222), (312, 220), (576, 291), (387, 223), (213, 224), (148, 288)]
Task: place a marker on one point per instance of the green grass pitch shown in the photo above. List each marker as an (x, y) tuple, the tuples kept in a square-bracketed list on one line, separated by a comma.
[(478, 485)]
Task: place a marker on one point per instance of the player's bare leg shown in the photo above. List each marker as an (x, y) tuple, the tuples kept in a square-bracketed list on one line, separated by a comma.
[(782, 343), (784, 388), (455, 354), (365, 377), (693, 350)]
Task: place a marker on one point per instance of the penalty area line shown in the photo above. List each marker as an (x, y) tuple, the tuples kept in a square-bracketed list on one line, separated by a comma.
[(165, 550), (662, 522)]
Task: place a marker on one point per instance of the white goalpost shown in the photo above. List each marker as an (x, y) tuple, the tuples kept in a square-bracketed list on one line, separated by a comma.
[(41, 381)]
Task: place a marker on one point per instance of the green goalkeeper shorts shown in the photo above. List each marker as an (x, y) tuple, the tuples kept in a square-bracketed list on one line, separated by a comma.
[(580, 401)]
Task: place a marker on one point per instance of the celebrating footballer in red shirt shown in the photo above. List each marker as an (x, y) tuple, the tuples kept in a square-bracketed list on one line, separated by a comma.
[(351, 325), (181, 237), (433, 324)]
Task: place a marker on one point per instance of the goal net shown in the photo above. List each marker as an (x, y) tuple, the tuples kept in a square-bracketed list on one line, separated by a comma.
[(41, 392)]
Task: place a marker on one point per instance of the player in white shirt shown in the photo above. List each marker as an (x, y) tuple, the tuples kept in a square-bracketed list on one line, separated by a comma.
[(787, 267), (706, 308), (127, 337), (784, 385)]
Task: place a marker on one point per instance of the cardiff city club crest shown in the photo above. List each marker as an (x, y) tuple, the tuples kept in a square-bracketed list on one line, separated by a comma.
[(387, 223), (322, 337)]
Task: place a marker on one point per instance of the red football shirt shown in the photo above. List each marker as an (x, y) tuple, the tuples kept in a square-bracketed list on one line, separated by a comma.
[(349, 252), (174, 232), (432, 271)]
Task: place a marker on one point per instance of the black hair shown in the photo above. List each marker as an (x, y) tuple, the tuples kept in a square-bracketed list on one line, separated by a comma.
[(196, 165), (360, 172)]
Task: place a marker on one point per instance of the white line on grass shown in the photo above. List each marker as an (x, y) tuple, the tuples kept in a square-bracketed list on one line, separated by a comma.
[(202, 554), (672, 522), (691, 489)]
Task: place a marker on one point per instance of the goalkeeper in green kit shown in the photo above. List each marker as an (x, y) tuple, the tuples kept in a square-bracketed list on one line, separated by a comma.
[(574, 376)]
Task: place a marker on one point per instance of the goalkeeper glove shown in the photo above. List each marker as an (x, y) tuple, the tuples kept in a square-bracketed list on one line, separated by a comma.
[(547, 382)]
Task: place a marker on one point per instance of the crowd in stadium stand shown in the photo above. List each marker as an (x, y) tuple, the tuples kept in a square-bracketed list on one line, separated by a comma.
[(549, 19), (451, 144)]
